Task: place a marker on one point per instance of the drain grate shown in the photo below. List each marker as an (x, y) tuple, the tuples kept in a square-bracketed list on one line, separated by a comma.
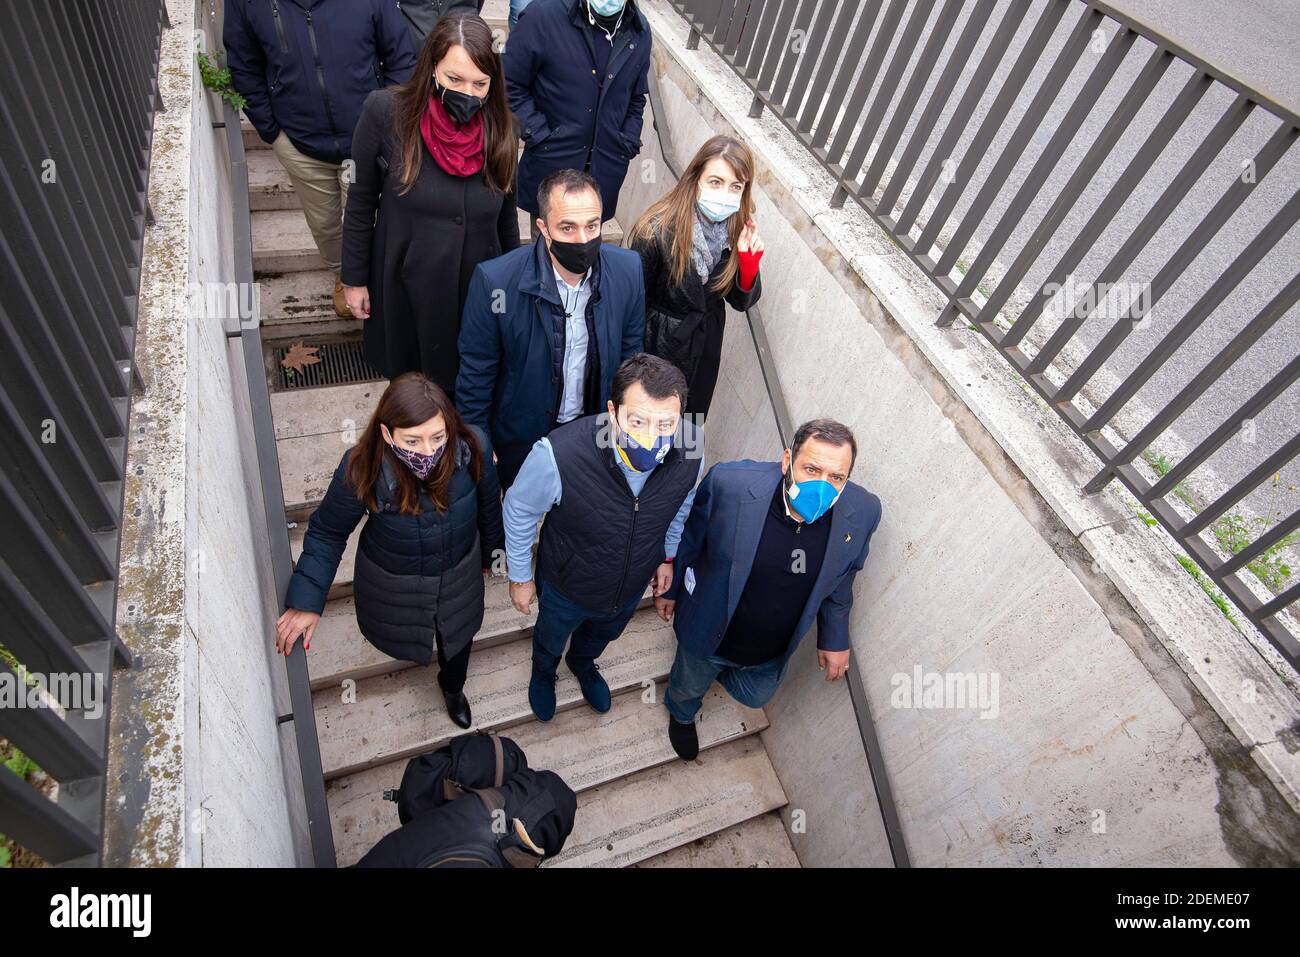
[(341, 362)]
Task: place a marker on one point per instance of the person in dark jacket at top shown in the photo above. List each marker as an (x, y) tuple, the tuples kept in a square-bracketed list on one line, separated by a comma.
[(615, 489), (305, 67), (423, 15), (700, 248), (427, 483), (768, 548), (433, 198), (578, 77), (546, 326)]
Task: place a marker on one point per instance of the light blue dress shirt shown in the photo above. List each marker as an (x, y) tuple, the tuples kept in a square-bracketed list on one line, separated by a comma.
[(537, 489), (575, 300)]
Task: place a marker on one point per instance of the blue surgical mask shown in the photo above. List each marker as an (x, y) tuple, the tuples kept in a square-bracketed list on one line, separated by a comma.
[(642, 452), (607, 8), (718, 206), (812, 499)]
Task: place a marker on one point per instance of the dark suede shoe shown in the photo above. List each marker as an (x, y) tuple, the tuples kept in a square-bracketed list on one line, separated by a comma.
[(685, 741), (594, 688), (541, 694), (458, 709)]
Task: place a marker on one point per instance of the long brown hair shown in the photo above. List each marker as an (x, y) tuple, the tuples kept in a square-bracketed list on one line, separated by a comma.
[(411, 400), (672, 217), (500, 144)]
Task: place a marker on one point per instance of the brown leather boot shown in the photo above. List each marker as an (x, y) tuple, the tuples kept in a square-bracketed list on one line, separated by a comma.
[(340, 301)]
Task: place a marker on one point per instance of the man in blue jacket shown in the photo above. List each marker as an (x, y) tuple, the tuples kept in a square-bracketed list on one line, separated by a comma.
[(546, 326), (305, 67), (577, 75), (767, 548)]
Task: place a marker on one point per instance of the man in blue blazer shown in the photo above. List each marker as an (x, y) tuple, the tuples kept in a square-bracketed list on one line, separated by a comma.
[(546, 326), (767, 548)]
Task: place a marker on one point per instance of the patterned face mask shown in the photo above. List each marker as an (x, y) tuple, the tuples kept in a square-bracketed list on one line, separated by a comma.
[(418, 462)]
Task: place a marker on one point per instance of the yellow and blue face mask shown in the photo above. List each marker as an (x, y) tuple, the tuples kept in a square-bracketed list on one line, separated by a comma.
[(641, 451)]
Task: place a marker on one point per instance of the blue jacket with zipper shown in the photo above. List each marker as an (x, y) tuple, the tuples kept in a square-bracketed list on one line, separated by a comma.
[(570, 110), (306, 66)]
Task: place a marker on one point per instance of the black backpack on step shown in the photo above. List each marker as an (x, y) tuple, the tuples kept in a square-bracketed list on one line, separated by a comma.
[(476, 803)]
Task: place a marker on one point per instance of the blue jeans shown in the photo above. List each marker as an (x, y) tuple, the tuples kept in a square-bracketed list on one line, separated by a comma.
[(558, 618), (516, 8), (689, 681)]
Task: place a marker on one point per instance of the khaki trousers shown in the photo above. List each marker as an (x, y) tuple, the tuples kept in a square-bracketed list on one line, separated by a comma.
[(322, 189)]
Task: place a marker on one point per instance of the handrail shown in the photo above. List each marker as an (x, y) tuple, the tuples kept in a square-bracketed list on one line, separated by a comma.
[(785, 429), (249, 332), (71, 255)]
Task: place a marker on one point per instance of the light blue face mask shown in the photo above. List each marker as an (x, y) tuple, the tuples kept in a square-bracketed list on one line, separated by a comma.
[(607, 8), (718, 209), (812, 499)]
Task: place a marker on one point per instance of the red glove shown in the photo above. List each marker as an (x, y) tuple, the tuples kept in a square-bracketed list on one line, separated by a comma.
[(748, 268)]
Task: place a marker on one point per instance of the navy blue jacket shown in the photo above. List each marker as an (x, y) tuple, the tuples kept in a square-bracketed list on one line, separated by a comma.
[(306, 66), (721, 538), (426, 544), (510, 363), (564, 108)]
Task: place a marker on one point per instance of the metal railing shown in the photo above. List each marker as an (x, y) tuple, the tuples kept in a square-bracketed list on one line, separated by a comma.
[(826, 70), (785, 428), (80, 93), (249, 332)]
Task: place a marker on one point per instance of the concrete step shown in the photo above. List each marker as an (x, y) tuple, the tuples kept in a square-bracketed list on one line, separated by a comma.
[(313, 428), (295, 305), (496, 13), (282, 242), (398, 715), (660, 809), (252, 141), (585, 748), (268, 182), (339, 652), (759, 842)]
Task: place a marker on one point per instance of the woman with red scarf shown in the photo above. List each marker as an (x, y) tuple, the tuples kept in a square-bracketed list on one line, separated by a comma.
[(433, 197)]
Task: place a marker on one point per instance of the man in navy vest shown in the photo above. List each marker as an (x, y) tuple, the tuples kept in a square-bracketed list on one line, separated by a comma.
[(615, 489), (768, 547)]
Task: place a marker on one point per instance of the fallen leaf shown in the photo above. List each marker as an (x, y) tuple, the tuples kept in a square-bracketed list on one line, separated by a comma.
[(300, 356)]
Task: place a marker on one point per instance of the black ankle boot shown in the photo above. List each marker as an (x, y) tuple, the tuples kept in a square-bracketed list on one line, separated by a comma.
[(684, 739), (458, 708)]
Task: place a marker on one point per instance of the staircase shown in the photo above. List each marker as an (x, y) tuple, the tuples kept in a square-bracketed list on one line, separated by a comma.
[(638, 804)]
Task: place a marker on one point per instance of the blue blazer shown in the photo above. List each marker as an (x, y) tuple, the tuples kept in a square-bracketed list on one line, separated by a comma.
[(509, 370), (721, 538)]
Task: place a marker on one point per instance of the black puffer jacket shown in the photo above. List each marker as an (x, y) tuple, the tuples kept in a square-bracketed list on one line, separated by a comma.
[(427, 544)]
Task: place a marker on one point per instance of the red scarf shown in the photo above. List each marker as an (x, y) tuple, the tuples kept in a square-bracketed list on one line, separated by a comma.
[(458, 150)]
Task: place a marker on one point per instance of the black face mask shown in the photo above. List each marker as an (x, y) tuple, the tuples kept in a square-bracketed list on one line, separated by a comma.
[(576, 257), (461, 107)]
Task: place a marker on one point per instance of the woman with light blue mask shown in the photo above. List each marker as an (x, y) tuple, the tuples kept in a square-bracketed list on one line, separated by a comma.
[(700, 251)]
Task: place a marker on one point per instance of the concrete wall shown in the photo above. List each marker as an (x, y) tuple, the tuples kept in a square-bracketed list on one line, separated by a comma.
[(1106, 746), (202, 774)]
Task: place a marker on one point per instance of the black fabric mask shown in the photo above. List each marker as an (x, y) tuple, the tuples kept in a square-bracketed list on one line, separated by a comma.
[(461, 107), (576, 257)]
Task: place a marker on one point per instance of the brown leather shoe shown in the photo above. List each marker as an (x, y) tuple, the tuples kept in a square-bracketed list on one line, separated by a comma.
[(340, 301)]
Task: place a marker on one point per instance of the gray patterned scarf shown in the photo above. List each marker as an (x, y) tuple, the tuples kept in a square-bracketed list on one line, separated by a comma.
[(709, 240)]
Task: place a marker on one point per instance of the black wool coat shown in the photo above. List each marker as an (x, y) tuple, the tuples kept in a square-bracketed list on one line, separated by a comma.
[(684, 323), (416, 252)]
